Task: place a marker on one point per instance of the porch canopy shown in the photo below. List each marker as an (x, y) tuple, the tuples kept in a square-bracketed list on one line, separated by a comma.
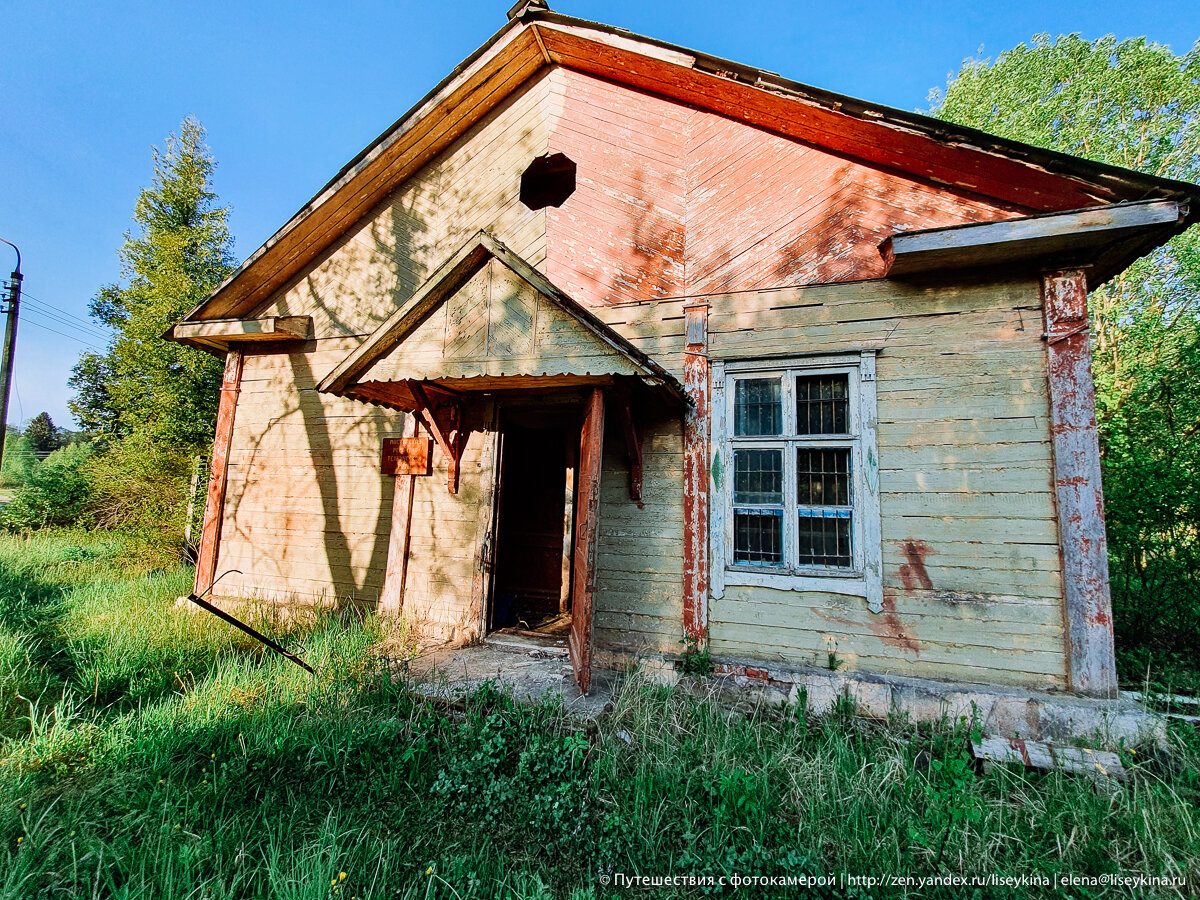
[(486, 320)]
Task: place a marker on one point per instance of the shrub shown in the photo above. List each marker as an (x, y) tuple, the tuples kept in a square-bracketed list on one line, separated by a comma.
[(19, 460), (56, 491), (140, 485)]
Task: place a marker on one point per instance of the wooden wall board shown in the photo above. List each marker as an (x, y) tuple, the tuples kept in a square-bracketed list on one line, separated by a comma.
[(986, 173), (678, 201), (968, 516), (497, 325), (639, 568), (472, 184), (307, 506)]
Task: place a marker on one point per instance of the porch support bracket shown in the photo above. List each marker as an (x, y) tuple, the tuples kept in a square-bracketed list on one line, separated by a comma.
[(444, 422)]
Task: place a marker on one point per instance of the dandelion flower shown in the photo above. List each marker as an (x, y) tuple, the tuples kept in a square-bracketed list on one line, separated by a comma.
[(341, 876), (429, 871), (333, 881), (214, 756), (20, 839)]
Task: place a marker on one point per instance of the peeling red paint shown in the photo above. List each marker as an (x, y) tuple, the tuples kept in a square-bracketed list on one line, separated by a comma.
[(729, 670), (695, 477), (912, 573), (887, 626), (891, 630), (1073, 480), (1091, 665), (214, 507)]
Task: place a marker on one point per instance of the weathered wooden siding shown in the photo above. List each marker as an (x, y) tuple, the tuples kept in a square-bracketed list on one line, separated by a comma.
[(764, 210), (639, 573), (306, 511), (674, 201), (620, 236), (308, 514), (497, 324), (475, 184), (972, 577)]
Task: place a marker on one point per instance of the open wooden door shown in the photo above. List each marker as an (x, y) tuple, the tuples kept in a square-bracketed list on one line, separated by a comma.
[(587, 523)]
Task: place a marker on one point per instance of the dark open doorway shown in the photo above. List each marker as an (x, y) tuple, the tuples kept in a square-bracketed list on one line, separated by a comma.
[(531, 590)]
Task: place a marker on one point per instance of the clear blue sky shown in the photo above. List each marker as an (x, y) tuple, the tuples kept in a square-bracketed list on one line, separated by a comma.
[(289, 92)]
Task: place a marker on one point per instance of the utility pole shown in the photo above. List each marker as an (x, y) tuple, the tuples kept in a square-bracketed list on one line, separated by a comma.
[(10, 345)]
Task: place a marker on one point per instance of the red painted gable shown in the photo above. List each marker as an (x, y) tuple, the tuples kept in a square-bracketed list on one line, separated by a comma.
[(677, 201)]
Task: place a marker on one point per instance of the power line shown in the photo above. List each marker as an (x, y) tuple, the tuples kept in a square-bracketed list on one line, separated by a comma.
[(40, 319), (84, 325), (61, 320), (38, 301), (58, 317), (58, 309), (71, 326), (70, 337)]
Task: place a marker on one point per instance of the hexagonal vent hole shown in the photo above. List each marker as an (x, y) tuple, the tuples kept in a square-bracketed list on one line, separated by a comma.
[(548, 181)]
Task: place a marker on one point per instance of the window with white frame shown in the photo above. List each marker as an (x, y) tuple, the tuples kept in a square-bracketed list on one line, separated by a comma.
[(801, 497)]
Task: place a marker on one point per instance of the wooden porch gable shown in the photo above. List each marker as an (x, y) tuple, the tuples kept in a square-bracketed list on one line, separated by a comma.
[(486, 320)]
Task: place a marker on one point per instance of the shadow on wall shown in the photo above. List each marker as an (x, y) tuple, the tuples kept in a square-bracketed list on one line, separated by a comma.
[(325, 448)]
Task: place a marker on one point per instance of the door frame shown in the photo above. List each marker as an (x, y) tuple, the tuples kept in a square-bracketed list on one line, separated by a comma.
[(572, 402)]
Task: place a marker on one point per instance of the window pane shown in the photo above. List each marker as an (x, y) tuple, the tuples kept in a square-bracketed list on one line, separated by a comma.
[(757, 476), (758, 537), (824, 537), (757, 407), (823, 476), (822, 404)]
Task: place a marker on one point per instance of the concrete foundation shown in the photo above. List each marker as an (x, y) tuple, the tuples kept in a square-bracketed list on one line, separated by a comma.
[(1008, 712), (531, 668), (536, 668)]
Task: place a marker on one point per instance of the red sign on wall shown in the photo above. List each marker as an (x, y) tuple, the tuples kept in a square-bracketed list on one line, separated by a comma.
[(406, 456)]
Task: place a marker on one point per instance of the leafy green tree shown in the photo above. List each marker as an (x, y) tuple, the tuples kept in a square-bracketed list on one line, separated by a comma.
[(42, 433), (92, 406), (1135, 104), (179, 250)]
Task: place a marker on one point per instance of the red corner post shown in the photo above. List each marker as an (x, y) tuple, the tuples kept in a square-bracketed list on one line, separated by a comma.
[(214, 507), (1091, 665), (695, 475)]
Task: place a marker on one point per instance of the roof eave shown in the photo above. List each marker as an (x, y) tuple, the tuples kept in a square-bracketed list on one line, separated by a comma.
[(1104, 240), (1105, 183)]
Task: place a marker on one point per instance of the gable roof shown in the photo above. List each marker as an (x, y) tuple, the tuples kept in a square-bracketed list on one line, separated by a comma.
[(530, 333), (942, 152)]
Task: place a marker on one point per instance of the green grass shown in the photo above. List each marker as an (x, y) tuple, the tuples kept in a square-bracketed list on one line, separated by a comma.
[(154, 752)]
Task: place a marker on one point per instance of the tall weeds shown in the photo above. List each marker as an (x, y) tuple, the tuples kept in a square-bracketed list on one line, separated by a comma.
[(166, 756)]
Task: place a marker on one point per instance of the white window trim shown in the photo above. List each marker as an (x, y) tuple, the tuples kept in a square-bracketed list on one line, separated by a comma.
[(866, 578)]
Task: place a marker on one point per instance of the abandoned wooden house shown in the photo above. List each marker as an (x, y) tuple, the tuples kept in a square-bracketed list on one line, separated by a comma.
[(611, 338)]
